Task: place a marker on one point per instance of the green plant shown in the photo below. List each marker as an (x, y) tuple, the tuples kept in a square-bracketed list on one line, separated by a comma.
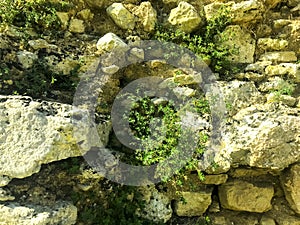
[(37, 14), (205, 43), (163, 141)]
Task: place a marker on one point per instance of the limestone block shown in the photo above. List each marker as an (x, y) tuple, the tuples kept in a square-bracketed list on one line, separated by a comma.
[(290, 69), (64, 19), (291, 182), (269, 44), (147, 16), (242, 12), (196, 203), (286, 56), (258, 66), (185, 17), (239, 39), (244, 196), (39, 132), (62, 213), (110, 42), (26, 58), (215, 179), (77, 26), (121, 16)]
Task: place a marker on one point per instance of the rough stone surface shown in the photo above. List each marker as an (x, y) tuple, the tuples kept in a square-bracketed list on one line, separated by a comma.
[(262, 135), (157, 205), (121, 16), (267, 221), (64, 19), (77, 26), (269, 44), (62, 213), (109, 42), (290, 69), (66, 66), (147, 16), (185, 17), (258, 66), (196, 203), (244, 196), (291, 183), (40, 44), (242, 41), (38, 132), (242, 12), (287, 56), (27, 58)]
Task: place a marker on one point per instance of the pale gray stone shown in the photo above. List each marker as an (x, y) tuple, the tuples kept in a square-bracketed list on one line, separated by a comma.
[(39, 132), (110, 42), (287, 56), (14, 213), (27, 58)]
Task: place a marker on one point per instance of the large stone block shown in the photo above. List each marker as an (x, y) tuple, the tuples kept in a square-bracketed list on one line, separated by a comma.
[(62, 213), (291, 185), (185, 17), (244, 196), (121, 16), (39, 132)]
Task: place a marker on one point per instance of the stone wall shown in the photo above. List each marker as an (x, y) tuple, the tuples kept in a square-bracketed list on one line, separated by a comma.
[(257, 177)]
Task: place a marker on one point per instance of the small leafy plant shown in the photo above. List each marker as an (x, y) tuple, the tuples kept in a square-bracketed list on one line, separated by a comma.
[(205, 43)]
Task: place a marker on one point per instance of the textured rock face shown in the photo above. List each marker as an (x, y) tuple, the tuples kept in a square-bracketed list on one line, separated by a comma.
[(185, 17), (242, 12), (109, 42), (121, 16), (77, 26), (27, 58), (34, 133), (287, 56), (147, 16), (262, 135), (196, 203), (242, 41), (245, 196), (62, 213), (291, 183)]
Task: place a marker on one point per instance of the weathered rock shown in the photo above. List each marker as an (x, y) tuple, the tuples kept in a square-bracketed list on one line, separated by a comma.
[(85, 15), (64, 19), (77, 26), (157, 205), (196, 203), (269, 44), (244, 196), (242, 12), (258, 66), (27, 58), (267, 221), (290, 180), (147, 16), (5, 195), (215, 179), (241, 40), (110, 42), (185, 17), (41, 43), (62, 213), (290, 69), (121, 16), (287, 56), (38, 132), (262, 136), (66, 66), (247, 11), (250, 76), (285, 99)]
